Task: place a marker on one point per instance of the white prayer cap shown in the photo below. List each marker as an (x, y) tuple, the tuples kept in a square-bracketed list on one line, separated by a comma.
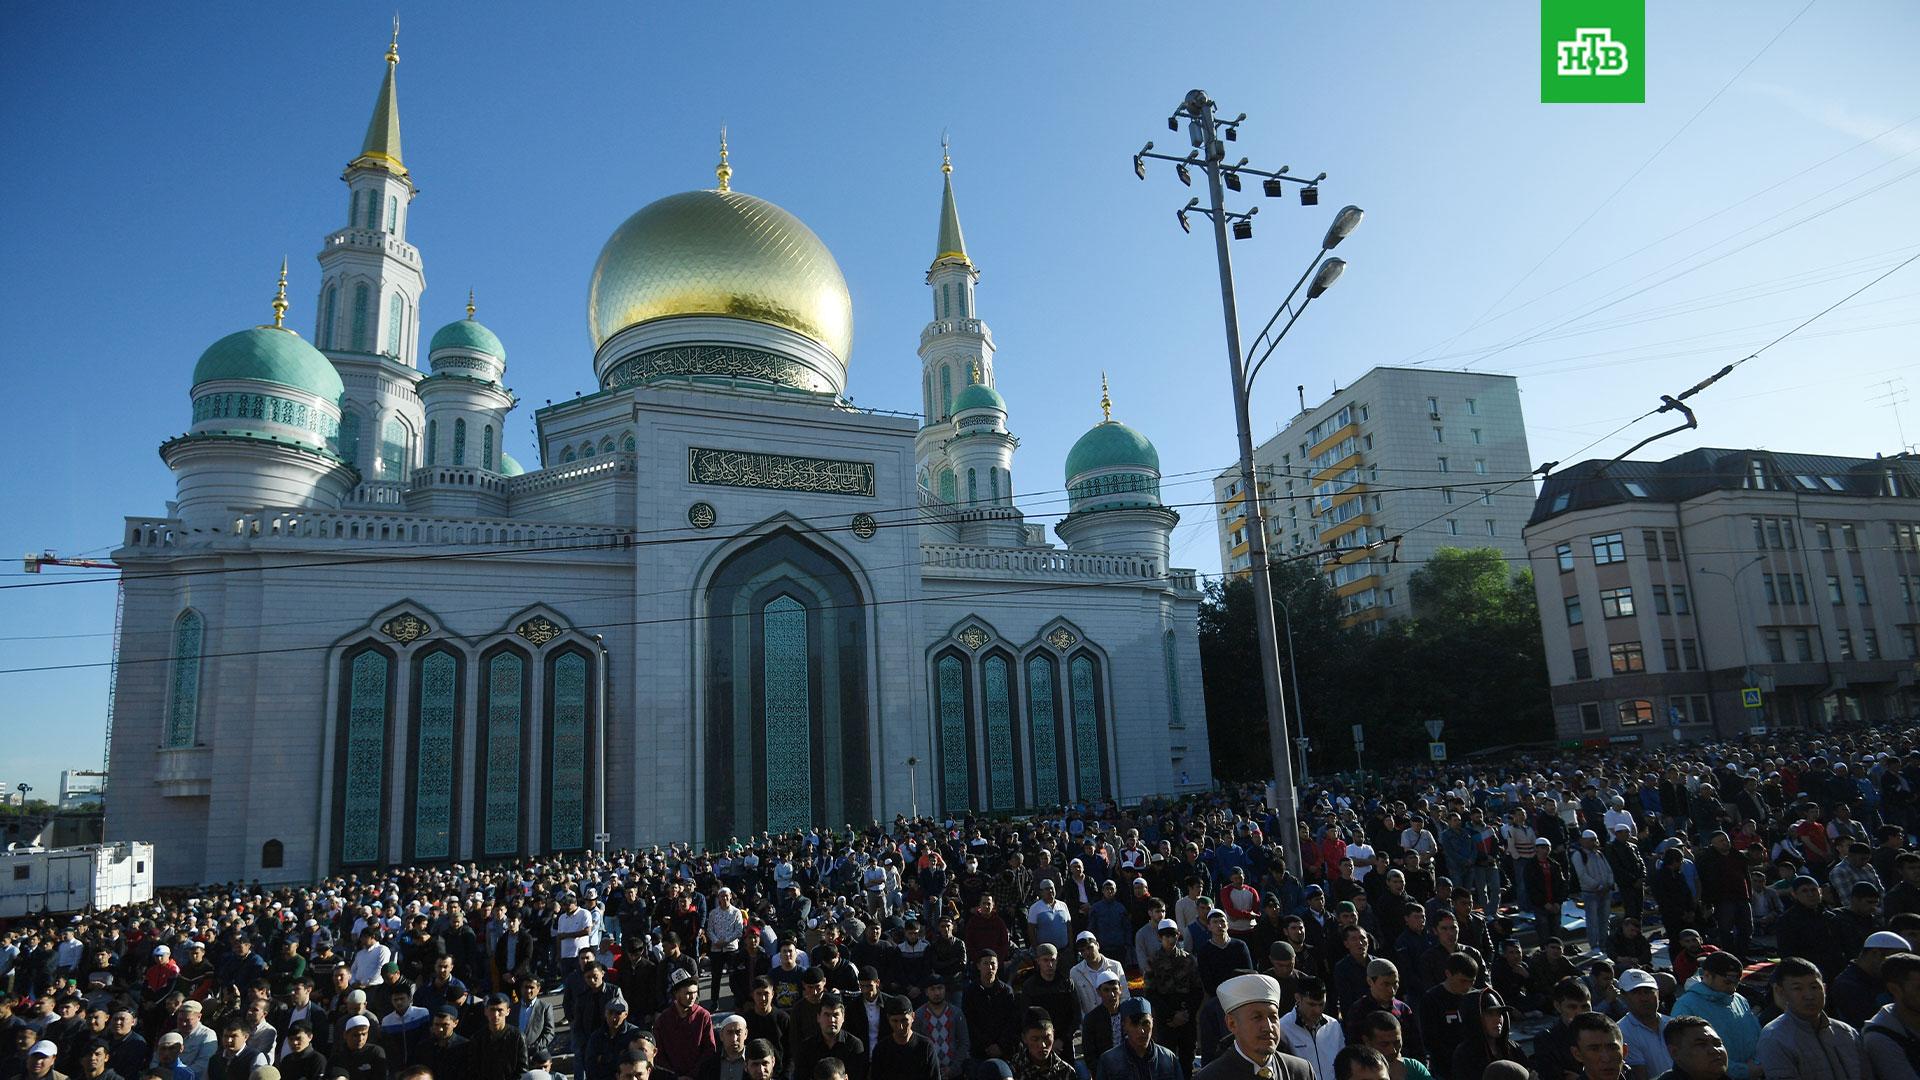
[(1247, 989)]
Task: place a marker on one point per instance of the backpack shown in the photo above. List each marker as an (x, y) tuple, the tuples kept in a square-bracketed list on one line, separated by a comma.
[(1907, 1043)]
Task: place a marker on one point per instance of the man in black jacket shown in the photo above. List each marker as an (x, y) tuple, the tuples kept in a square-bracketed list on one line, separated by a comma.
[(993, 1018), (499, 1053), (444, 1051), (1807, 931), (902, 1053), (830, 1039)]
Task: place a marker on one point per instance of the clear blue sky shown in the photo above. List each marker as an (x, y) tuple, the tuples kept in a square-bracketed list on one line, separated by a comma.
[(164, 159)]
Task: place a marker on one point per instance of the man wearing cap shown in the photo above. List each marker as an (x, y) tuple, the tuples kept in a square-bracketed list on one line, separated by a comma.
[(1173, 985), (1137, 1056), (864, 1017), (945, 1027), (1548, 884), (1644, 1028), (684, 1030), (356, 1054), (1049, 922), (1859, 991), (1100, 1028), (830, 1039), (198, 1042), (1251, 1004), (901, 1053), (730, 1062), (1086, 974), (607, 1045), (444, 1050), (1382, 995), (499, 1051), (40, 1061), (166, 1057)]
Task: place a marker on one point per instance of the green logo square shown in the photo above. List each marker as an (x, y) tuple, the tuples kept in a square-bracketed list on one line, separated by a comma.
[(1593, 51)]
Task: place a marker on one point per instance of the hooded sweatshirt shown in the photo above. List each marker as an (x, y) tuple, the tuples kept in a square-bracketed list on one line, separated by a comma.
[(1731, 1016)]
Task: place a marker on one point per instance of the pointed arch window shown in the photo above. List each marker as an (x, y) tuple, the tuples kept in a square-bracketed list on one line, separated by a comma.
[(503, 753), (586, 449), (973, 488), (950, 703), (183, 707), (1089, 735), (433, 440), (361, 300), (486, 448), (273, 855), (946, 391), (435, 755), (570, 721), (567, 455), (393, 213), (627, 443), (1003, 759), (393, 450), (459, 442), (395, 309), (353, 209), (993, 482), (1043, 730), (350, 436), (327, 316), (360, 814)]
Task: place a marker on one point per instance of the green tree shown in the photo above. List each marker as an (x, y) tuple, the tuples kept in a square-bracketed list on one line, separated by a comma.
[(1474, 644)]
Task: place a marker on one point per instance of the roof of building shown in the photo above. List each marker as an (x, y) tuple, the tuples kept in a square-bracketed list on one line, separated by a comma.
[(270, 354), (1597, 483), (1111, 444), (979, 396), (468, 333)]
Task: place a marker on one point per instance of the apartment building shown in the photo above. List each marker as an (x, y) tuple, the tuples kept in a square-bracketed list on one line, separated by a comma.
[(1438, 458), (1669, 591)]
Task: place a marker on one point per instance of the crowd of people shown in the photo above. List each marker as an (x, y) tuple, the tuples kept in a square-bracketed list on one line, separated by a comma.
[(1694, 911)]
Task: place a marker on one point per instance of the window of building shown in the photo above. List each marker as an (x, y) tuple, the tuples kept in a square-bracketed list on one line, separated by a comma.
[(1822, 536), (1480, 466), (1670, 653), (1860, 590), (1574, 617), (1650, 539), (1803, 644), (1635, 488), (1486, 498), (1582, 666), (1690, 654), (1453, 527), (1800, 589), (1636, 713), (273, 855), (1627, 658), (1834, 595), (1870, 643), (1910, 642), (1670, 538), (1776, 649), (1616, 603), (1757, 475), (1611, 548), (1660, 600), (1447, 494), (1443, 464), (1473, 407), (1846, 643), (1833, 484), (1906, 589), (1681, 605), (1439, 435), (1490, 528), (1589, 716), (1766, 583), (1389, 595), (1561, 500), (1564, 554), (1906, 537), (1433, 406), (1850, 537)]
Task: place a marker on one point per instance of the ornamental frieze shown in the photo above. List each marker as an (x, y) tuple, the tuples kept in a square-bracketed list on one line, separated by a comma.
[(778, 472), (730, 361)]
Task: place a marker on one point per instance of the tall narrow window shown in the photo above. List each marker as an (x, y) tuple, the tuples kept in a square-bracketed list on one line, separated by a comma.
[(361, 300), (569, 722), (363, 787), (789, 717), (436, 725), (373, 209), (503, 750), (459, 442), (327, 315), (1003, 779), (353, 209), (951, 691), (393, 213), (393, 450), (1043, 731), (486, 447), (183, 708), (946, 391), (395, 306), (973, 488), (350, 435), (1089, 759), (1172, 653), (993, 486), (949, 489), (433, 440)]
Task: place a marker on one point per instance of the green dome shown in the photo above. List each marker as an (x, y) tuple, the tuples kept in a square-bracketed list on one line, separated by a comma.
[(269, 354), (979, 396), (1111, 444), (467, 334), (510, 467)]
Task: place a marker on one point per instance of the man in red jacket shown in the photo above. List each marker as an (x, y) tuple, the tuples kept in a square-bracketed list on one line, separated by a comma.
[(985, 929)]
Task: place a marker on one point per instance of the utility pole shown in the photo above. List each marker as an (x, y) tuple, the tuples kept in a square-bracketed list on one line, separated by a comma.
[(1208, 135)]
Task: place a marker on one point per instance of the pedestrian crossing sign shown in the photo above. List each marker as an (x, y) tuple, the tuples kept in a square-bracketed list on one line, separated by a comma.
[(1750, 697)]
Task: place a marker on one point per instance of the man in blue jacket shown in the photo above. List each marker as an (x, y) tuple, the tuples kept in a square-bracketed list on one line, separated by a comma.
[(1715, 997), (1138, 1057)]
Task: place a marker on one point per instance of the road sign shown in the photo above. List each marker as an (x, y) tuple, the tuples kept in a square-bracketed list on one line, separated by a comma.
[(1750, 697), (1437, 751), (1433, 729)]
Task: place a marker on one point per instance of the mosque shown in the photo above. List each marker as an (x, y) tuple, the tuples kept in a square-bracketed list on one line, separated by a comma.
[(724, 603)]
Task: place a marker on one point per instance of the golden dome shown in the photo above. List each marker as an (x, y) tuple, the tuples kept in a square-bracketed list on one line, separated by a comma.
[(720, 253)]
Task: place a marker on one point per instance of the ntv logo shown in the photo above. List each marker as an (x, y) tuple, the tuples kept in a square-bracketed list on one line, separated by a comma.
[(1592, 52)]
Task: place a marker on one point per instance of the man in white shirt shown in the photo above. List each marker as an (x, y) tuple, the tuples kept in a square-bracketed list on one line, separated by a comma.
[(570, 930), (1085, 975), (1361, 853), (369, 958), (1308, 1032), (1644, 1027)]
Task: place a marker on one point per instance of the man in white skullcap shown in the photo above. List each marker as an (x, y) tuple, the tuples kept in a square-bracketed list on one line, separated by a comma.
[(1252, 1007)]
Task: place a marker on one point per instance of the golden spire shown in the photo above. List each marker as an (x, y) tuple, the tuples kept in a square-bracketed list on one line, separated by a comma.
[(1106, 403), (280, 298), (469, 303), (946, 155), (724, 171)]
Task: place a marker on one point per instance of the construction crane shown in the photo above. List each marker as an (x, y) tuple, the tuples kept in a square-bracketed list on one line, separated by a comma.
[(32, 564)]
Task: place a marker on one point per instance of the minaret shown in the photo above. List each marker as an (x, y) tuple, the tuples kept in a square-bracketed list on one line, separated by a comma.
[(369, 305), (953, 346)]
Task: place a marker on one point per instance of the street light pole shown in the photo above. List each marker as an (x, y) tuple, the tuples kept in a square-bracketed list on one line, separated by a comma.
[(913, 785), (1293, 676)]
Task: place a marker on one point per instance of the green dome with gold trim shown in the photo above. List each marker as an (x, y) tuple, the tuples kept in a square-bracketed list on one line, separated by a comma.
[(270, 354), (469, 334), (1111, 445)]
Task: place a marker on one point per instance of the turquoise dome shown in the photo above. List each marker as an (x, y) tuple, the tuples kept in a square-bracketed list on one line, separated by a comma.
[(468, 334), (510, 467), (1108, 445), (269, 354), (979, 396)]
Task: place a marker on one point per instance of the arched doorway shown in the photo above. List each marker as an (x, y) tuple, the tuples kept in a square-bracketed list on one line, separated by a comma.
[(786, 688)]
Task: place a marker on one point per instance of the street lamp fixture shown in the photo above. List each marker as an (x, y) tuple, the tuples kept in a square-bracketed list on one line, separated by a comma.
[(1232, 180), (1185, 174), (1310, 195), (1330, 272), (1344, 222), (1186, 226), (1243, 229)]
